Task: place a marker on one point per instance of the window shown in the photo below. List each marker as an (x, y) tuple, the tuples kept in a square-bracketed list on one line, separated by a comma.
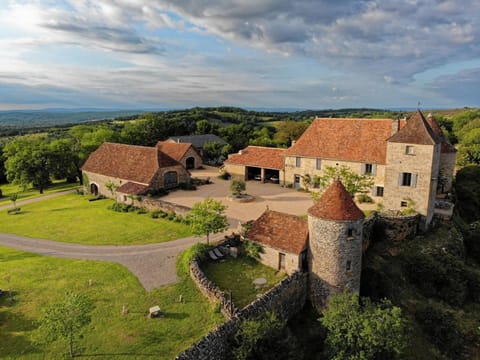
[(379, 191), (407, 179), (348, 267), (403, 204), (318, 164), (298, 161), (349, 234), (369, 169), (409, 150)]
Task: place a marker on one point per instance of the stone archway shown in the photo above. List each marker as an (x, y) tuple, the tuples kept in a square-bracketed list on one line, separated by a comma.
[(94, 189), (190, 162)]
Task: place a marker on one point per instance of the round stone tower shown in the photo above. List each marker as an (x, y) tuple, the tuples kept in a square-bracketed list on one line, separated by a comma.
[(335, 246)]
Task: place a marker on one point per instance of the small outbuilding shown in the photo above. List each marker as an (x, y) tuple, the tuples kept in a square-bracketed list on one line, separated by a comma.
[(284, 239), (184, 153)]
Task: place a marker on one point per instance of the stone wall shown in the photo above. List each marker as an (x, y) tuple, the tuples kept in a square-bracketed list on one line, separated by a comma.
[(334, 258), (152, 204), (424, 162), (271, 257), (399, 228), (286, 300), (211, 290)]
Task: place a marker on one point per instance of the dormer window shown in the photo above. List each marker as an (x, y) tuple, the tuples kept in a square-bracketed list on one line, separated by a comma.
[(409, 150)]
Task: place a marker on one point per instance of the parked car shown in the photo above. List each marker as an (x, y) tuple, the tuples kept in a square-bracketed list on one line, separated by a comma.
[(274, 179), (257, 177)]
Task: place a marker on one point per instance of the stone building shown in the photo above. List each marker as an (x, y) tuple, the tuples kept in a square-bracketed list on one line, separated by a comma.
[(328, 245), (121, 170), (284, 239), (335, 226), (184, 153), (368, 146)]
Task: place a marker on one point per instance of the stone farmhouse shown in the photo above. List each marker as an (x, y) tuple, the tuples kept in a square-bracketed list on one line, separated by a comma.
[(185, 153), (132, 170), (328, 245), (410, 160)]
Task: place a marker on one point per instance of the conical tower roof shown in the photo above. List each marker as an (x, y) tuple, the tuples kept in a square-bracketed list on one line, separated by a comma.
[(336, 204)]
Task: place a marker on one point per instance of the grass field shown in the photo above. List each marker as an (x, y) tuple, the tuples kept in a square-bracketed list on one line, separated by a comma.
[(38, 281), (30, 193), (72, 218), (238, 275)]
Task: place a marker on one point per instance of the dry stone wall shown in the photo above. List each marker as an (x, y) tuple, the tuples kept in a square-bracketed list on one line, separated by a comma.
[(285, 300)]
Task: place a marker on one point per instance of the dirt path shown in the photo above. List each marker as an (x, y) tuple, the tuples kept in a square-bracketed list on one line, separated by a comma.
[(153, 264)]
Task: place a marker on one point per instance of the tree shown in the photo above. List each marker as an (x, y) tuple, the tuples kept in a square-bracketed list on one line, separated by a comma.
[(66, 319), (353, 182), (13, 198), (363, 330), (28, 161), (237, 186), (288, 131), (208, 217)]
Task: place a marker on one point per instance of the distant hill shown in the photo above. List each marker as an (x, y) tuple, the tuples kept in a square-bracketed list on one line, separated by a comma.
[(56, 117)]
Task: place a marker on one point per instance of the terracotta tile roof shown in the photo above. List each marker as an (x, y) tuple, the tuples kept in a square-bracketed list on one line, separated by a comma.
[(362, 140), (417, 131), (174, 150), (132, 188), (446, 146), (134, 163), (336, 204), (281, 231), (259, 156)]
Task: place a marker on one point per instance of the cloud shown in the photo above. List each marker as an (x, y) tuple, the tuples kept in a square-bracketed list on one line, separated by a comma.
[(459, 88), (407, 37)]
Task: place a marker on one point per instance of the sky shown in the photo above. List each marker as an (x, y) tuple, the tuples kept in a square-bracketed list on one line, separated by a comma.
[(304, 54)]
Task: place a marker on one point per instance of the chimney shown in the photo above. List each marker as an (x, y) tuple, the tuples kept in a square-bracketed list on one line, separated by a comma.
[(293, 142), (178, 140), (240, 152)]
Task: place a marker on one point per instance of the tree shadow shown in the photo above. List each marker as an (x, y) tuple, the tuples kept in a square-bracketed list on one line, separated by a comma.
[(13, 342)]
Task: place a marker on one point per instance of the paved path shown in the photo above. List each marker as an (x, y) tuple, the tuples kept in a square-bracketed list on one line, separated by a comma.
[(39, 198), (153, 264)]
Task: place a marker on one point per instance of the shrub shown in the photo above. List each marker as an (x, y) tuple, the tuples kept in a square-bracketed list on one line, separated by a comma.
[(237, 186), (155, 214), (440, 326), (171, 215), (252, 249), (198, 251), (142, 211), (364, 198), (225, 176)]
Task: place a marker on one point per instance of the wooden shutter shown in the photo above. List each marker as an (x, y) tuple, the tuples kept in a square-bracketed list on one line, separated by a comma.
[(413, 183), (374, 169), (363, 168), (400, 178)]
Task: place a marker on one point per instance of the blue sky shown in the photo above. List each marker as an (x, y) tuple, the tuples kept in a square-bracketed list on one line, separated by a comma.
[(255, 53)]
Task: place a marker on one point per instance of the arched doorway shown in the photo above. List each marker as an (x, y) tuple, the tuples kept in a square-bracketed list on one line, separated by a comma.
[(190, 162), (170, 180), (94, 189)]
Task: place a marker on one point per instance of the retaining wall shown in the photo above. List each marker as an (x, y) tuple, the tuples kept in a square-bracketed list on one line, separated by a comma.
[(285, 300)]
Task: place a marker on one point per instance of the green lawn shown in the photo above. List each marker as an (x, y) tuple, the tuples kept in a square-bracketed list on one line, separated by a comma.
[(72, 218), (8, 189), (238, 275), (38, 281)]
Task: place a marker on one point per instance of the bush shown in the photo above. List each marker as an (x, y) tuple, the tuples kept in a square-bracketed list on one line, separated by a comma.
[(190, 186), (237, 186), (155, 214), (198, 251), (467, 192), (440, 326), (141, 211), (171, 215), (252, 249), (364, 198), (225, 176)]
